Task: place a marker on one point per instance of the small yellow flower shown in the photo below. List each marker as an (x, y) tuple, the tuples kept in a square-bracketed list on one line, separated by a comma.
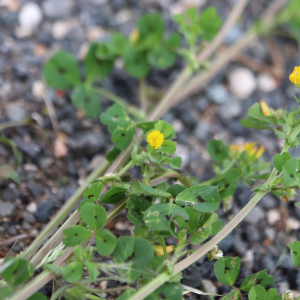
[(295, 76), (155, 139), (159, 250), (134, 35), (265, 108), (254, 151), (236, 149)]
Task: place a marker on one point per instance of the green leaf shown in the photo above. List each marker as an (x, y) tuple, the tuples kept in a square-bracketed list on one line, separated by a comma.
[(174, 162), (114, 116), (255, 112), (272, 295), (124, 248), (126, 294), (191, 223), (286, 157), (233, 295), (227, 183), (146, 126), (138, 187), (158, 215), (104, 51), (165, 128), (168, 147), (295, 253), (105, 242), (55, 269), (170, 291), (217, 150), (94, 215), (6, 171), (73, 271), (136, 208), (123, 135), (289, 172), (75, 235), (118, 43), (92, 269), (95, 67), (280, 135), (277, 161), (112, 154), (261, 278), (86, 98), (16, 271), (94, 191), (207, 219), (37, 296), (176, 189), (257, 293), (173, 41), (61, 71), (227, 269), (161, 58), (210, 23), (252, 123), (114, 195), (135, 63), (6, 292), (204, 198), (216, 227)]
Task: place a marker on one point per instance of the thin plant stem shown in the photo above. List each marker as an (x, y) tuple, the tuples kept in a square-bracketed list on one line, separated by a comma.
[(163, 242), (125, 169), (143, 96), (277, 188), (111, 290), (116, 99)]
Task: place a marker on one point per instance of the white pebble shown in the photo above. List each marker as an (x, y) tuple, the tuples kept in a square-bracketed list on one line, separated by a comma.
[(242, 83), (273, 216), (30, 15), (266, 83), (292, 224), (31, 207), (38, 89)]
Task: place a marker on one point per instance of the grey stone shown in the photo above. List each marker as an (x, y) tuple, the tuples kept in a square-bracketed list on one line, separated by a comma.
[(240, 247), (268, 202), (226, 243), (87, 143), (231, 109), (202, 131), (233, 35), (218, 93), (15, 112), (202, 103), (10, 194), (25, 226), (31, 149), (287, 262), (252, 233), (255, 215), (6, 209), (12, 231), (29, 218), (57, 9), (36, 189), (43, 212), (168, 117)]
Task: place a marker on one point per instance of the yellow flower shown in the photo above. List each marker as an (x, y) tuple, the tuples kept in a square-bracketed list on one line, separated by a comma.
[(295, 76), (134, 35), (155, 139), (254, 151), (236, 149), (159, 250), (265, 108)]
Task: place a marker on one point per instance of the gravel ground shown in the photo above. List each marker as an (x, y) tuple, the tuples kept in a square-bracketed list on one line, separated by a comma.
[(31, 31)]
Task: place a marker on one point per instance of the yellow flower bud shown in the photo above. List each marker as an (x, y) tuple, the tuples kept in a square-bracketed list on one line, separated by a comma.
[(265, 108), (155, 139), (134, 35), (254, 151), (159, 250), (236, 148)]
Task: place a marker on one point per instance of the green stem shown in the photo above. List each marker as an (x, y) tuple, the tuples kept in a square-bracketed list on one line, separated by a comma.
[(111, 290), (143, 97), (163, 242), (125, 169), (116, 99), (276, 188)]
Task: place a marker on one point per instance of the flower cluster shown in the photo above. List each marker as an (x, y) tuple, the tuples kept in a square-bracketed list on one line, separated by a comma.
[(252, 151), (155, 139), (295, 76)]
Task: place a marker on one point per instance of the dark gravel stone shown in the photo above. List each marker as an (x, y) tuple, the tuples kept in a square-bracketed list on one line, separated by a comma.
[(12, 231), (10, 194), (268, 201), (244, 273), (202, 103), (184, 113), (252, 234), (226, 244), (242, 195), (239, 247), (43, 212), (69, 191), (191, 276), (31, 149), (202, 131), (20, 71), (6, 209), (29, 218), (35, 189)]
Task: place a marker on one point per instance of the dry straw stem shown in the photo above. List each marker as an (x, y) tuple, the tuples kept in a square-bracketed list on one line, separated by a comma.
[(161, 108)]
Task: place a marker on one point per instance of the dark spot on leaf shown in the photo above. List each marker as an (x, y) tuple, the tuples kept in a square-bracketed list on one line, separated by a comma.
[(116, 116), (182, 206), (104, 241), (227, 185), (76, 234), (292, 175), (123, 134), (226, 269), (90, 196), (259, 281), (200, 199), (148, 198), (62, 70), (186, 221), (167, 217), (295, 252), (96, 217), (162, 296)]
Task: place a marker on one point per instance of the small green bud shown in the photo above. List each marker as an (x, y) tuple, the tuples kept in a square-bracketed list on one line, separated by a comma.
[(214, 253), (287, 295)]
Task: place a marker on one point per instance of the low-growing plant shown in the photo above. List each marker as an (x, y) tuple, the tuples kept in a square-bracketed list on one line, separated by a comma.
[(163, 203)]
